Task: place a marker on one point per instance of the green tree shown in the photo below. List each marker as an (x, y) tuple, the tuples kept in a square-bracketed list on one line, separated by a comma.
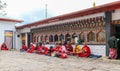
[(3, 5)]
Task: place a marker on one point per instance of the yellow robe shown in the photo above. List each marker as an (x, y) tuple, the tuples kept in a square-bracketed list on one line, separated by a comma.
[(77, 49)]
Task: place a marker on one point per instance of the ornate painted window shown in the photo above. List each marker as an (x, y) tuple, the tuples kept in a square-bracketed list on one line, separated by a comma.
[(61, 37), (34, 39), (82, 37), (46, 38), (51, 38), (42, 38), (101, 36), (56, 38), (74, 38), (39, 39), (91, 36), (67, 37)]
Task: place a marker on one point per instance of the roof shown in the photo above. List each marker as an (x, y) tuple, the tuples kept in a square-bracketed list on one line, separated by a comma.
[(10, 20), (93, 10)]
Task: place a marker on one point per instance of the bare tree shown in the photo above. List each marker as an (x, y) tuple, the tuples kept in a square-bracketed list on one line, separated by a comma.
[(2, 7)]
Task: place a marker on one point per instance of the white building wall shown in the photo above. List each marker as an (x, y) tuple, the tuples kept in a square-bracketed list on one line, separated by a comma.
[(116, 14), (7, 26), (18, 40)]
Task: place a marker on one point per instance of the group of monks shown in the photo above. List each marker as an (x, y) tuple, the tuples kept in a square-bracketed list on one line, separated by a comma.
[(59, 50)]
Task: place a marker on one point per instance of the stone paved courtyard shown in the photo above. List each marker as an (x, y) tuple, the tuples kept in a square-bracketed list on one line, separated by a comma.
[(21, 61)]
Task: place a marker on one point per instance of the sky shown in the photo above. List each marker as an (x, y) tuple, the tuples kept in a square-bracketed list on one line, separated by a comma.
[(34, 10)]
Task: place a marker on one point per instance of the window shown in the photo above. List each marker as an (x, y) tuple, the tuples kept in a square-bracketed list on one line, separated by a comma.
[(74, 38), (91, 36), (101, 36), (61, 37), (51, 38), (67, 37), (56, 38), (82, 37), (46, 38), (34, 39), (42, 38)]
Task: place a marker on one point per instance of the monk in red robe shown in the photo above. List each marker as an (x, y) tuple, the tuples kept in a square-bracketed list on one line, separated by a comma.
[(57, 47), (60, 51), (38, 48), (31, 49), (85, 52), (45, 50), (24, 48), (69, 48), (4, 47)]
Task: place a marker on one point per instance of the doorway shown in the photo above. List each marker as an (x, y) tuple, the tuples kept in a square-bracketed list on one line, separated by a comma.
[(28, 39), (117, 30)]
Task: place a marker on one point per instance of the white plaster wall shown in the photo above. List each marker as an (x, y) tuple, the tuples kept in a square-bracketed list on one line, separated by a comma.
[(98, 49), (7, 26), (18, 41), (116, 14)]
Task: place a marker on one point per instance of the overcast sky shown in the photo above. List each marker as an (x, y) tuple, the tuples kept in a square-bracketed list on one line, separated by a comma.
[(33, 10)]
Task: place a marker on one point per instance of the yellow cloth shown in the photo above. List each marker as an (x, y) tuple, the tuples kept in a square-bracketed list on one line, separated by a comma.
[(77, 49)]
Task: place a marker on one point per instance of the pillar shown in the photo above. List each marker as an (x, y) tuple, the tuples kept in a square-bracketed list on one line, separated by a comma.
[(31, 37), (108, 25), (26, 38)]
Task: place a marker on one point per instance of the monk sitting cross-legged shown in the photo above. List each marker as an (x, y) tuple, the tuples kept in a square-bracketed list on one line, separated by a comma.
[(60, 51), (69, 48), (85, 52), (24, 48), (45, 50), (77, 49), (31, 49), (4, 47), (38, 48)]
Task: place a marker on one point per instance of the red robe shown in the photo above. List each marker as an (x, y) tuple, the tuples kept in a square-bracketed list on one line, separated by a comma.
[(24, 47), (31, 49), (45, 50), (85, 52), (56, 48), (39, 48), (69, 48), (4, 47)]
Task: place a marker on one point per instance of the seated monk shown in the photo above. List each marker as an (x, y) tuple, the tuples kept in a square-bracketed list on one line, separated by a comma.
[(63, 52), (4, 47), (85, 52), (45, 50), (60, 52), (56, 48), (31, 49), (24, 48), (38, 48), (51, 50), (77, 49), (69, 48), (62, 49)]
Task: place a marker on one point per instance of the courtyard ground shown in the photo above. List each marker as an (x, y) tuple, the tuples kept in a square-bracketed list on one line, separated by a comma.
[(21, 61)]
